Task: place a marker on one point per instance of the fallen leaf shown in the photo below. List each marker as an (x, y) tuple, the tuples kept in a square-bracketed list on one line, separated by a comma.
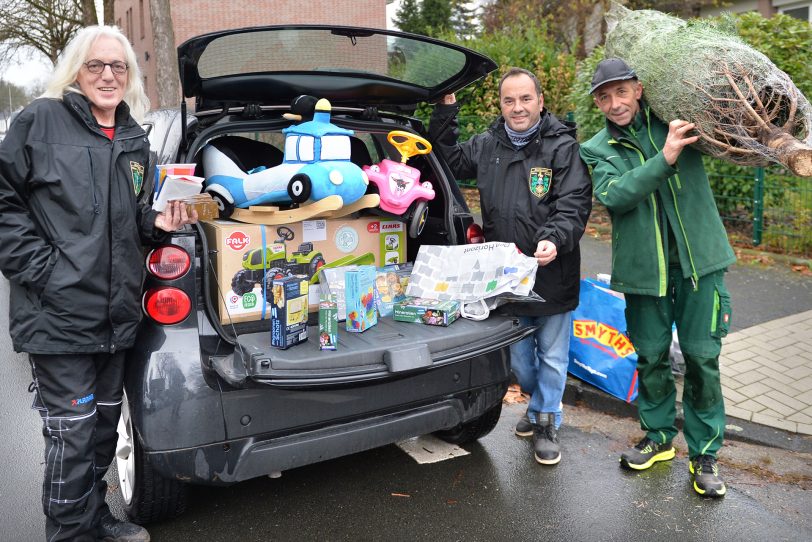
[(514, 395), (401, 495)]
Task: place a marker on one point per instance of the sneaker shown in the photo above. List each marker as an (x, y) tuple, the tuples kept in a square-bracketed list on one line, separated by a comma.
[(705, 473), (545, 440), (112, 530), (646, 453), (524, 428)]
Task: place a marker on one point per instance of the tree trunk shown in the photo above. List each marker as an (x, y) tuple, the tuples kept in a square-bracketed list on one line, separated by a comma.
[(166, 61)]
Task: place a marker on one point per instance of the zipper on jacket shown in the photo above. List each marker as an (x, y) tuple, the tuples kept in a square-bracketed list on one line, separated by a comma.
[(96, 209), (662, 279), (694, 275)]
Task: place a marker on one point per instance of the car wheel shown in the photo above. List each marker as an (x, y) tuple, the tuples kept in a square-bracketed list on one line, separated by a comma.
[(147, 495), (418, 218), (225, 207), (242, 283), (474, 429), (299, 188)]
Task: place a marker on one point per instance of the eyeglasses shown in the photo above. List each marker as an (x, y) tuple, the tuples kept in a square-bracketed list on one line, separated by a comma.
[(97, 66)]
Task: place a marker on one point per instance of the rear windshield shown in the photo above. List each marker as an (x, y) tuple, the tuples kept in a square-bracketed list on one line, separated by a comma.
[(324, 50)]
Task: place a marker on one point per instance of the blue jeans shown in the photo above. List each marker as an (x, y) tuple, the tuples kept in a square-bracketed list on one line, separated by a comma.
[(540, 363)]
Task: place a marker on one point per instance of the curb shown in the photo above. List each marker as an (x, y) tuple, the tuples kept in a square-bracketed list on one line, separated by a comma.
[(578, 392)]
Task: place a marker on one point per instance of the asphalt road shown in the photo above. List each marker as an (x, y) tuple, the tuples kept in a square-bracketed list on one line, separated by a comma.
[(496, 492)]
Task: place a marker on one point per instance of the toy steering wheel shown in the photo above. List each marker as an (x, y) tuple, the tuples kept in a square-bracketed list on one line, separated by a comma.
[(408, 144)]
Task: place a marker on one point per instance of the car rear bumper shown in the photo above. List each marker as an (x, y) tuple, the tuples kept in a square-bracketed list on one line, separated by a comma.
[(251, 457)]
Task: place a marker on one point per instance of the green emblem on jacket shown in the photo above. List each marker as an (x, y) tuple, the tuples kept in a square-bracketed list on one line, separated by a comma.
[(540, 180), (137, 171)]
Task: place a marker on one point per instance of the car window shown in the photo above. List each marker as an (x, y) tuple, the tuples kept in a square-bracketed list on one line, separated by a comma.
[(306, 153), (336, 147), (291, 153)]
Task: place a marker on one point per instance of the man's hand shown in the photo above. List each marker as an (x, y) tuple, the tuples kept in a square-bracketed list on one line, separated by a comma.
[(448, 99), (677, 140), (546, 251), (174, 217)]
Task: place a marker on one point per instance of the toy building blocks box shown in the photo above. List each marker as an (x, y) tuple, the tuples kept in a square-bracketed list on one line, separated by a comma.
[(289, 311), (426, 311), (360, 298), (246, 256)]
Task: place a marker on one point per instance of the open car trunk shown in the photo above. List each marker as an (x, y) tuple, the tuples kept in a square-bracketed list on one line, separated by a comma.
[(386, 350)]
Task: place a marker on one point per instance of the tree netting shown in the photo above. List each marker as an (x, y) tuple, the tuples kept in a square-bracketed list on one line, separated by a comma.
[(746, 110)]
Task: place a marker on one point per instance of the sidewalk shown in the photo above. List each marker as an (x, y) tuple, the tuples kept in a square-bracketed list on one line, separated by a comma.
[(766, 361)]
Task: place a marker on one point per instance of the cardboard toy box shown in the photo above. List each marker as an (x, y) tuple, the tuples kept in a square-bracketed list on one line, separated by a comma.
[(426, 311), (289, 311), (328, 322), (296, 248), (360, 298)]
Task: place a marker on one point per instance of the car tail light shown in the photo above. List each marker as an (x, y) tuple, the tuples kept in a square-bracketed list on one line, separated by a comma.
[(167, 305), (168, 262), (474, 234)]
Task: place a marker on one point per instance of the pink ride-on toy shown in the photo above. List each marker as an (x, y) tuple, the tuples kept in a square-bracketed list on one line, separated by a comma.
[(399, 185)]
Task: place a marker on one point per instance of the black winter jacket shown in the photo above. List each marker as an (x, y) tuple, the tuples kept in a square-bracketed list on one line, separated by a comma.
[(541, 191), (71, 228)]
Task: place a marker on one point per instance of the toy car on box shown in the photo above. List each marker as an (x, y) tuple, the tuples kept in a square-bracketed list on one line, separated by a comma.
[(316, 165), (392, 382)]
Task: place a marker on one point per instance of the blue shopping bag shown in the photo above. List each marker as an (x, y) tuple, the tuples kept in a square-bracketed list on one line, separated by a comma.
[(600, 352)]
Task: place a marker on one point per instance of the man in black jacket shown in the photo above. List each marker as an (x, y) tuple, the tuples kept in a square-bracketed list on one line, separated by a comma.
[(534, 191)]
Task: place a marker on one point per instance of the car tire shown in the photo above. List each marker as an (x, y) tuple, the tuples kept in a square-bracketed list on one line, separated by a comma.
[(148, 496), (474, 429), (417, 218), (242, 283), (299, 188), (225, 207)]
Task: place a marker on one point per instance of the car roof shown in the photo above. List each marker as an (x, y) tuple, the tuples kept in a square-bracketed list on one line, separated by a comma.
[(350, 66)]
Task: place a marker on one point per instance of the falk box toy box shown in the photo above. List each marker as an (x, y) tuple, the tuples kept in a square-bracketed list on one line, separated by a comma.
[(360, 298), (289, 311), (426, 311), (245, 255)]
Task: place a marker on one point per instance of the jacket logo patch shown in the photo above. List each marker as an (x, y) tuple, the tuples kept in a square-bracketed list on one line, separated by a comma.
[(541, 178), (137, 171)]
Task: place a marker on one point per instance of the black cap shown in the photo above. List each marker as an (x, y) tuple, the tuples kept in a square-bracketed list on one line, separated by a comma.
[(611, 69)]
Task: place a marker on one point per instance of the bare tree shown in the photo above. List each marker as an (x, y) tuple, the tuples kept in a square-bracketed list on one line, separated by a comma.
[(44, 25), (166, 61)]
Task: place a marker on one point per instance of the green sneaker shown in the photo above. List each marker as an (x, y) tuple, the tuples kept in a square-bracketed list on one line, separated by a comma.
[(705, 473), (646, 453)]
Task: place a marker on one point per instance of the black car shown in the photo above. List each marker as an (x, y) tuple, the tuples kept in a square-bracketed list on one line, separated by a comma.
[(215, 404)]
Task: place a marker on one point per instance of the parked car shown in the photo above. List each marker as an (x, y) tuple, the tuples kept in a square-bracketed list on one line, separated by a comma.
[(212, 404)]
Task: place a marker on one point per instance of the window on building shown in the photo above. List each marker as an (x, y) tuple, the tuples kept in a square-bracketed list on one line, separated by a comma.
[(801, 10), (141, 17), (128, 16)]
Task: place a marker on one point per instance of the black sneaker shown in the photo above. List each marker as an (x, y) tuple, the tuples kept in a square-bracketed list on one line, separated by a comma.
[(545, 440), (524, 428), (646, 453), (705, 473), (112, 530)]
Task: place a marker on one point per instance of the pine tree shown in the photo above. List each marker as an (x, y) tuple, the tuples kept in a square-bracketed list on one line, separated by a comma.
[(463, 19), (408, 17), (436, 15)]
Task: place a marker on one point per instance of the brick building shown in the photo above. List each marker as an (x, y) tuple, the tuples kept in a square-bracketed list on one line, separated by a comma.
[(194, 17)]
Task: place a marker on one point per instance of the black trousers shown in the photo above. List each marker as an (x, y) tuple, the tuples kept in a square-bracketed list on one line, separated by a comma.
[(78, 397)]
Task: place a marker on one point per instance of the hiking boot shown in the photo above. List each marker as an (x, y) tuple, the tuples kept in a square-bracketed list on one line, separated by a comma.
[(545, 440), (112, 530), (646, 453), (705, 473), (524, 428)]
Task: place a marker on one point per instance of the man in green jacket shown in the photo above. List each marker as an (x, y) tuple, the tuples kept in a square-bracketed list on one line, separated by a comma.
[(669, 255)]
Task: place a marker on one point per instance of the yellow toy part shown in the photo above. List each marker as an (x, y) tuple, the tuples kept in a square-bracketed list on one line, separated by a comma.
[(408, 144)]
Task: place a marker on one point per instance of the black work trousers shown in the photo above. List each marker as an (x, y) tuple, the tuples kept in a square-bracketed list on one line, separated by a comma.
[(78, 397)]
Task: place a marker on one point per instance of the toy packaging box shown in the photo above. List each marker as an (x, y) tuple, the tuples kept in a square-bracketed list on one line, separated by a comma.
[(426, 311), (328, 322), (289, 311), (246, 256), (390, 286), (360, 298)]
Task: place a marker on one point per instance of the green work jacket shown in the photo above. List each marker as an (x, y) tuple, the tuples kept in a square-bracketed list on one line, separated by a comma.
[(645, 196)]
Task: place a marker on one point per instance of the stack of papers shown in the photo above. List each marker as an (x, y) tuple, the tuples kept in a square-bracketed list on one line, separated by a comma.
[(177, 187)]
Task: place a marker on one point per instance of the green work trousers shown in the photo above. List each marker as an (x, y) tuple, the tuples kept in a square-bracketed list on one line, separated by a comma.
[(702, 316)]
